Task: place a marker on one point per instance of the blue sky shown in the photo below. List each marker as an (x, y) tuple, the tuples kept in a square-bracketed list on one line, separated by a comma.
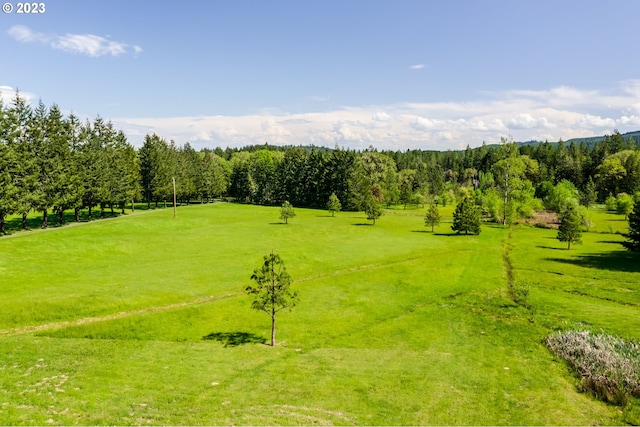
[(390, 74)]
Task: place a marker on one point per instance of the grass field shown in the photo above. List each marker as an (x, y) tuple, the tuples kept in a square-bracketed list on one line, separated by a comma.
[(142, 319)]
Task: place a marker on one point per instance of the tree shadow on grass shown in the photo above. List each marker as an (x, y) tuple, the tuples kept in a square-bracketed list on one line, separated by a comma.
[(14, 224), (234, 339), (554, 248), (362, 223), (613, 261), (455, 234), (278, 223)]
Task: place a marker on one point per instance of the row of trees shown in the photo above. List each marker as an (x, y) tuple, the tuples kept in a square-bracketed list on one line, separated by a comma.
[(198, 175), (53, 163), (511, 183)]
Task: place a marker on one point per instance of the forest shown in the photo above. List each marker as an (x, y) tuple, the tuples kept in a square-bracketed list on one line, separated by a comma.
[(51, 163)]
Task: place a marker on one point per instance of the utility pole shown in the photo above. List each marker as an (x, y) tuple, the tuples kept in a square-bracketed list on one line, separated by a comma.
[(175, 213)]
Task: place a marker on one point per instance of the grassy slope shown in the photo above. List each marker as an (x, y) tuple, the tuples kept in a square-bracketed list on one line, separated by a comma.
[(594, 285), (395, 325)]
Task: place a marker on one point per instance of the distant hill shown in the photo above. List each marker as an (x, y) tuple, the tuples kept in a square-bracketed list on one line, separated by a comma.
[(635, 135), (591, 141)]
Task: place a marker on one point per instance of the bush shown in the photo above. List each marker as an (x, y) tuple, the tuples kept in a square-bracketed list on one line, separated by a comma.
[(608, 366), (560, 197), (520, 293), (611, 203), (624, 204)]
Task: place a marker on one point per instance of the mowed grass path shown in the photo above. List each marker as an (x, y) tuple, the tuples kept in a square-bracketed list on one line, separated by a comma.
[(395, 325)]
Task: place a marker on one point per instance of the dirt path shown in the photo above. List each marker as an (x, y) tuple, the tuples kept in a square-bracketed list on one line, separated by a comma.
[(29, 329), (57, 325)]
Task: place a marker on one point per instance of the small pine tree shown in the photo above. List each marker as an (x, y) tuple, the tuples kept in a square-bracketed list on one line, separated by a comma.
[(570, 229), (466, 217), (633, 237), (287, 212), (334, 205), (272, 289), (590, 194), (432, 217)]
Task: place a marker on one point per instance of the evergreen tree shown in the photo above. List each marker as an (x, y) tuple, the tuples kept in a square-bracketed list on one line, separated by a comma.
[(188, 165), (44, 165), (466, 217), (58, 172), (333, 205), (98, 161), (8, 189), (407, 185), (432, 217), (589, 195), (25, 175), (288, 174), (570, 229), (124, 173), (71, 195), (272, 293), (213, 180), (633, 237), (242, 185), (286, 211), (148, 154)]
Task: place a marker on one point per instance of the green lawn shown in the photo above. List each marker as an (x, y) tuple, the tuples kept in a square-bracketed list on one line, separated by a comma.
[(142, 319)]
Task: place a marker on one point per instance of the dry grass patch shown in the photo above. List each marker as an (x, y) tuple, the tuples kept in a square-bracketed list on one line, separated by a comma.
[(609, 367)]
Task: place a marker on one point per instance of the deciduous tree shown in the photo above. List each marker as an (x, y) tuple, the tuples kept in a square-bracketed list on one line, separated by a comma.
[(624, 204), (372, 208)]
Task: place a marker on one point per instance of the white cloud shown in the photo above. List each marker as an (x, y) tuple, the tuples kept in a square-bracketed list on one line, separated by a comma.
[(203, 136), (7, 94), (88, 44), (380, 116), (423, 123), (589, 121), (85, 44), (319, 98), (532, 115), (449, 125), (25, 35), (527, 121), (417, 67)]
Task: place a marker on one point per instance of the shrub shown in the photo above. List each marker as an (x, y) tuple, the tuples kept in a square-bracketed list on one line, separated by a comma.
[(520, 293), (562, 196), (624, 204), (611, 203), (608, 366)]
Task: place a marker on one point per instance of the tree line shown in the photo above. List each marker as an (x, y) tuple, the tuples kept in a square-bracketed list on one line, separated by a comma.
[(51, 164)]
